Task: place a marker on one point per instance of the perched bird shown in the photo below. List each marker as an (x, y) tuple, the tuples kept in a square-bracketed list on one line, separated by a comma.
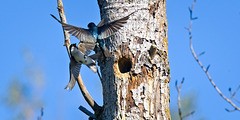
[(95, 33), (79, 55)]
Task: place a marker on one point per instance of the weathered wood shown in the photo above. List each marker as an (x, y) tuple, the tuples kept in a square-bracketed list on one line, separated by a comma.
[(136, 79)]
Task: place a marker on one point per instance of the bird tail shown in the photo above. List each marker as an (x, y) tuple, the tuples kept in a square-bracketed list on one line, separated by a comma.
[(95, 56), (74, 69), (56, 18), (71, 83), (93, 67)]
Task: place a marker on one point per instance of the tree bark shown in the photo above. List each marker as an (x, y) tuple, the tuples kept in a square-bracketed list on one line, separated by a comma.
[(136, 79)]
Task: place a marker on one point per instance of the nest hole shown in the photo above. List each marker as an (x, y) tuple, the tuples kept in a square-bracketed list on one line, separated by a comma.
[(124, 65)]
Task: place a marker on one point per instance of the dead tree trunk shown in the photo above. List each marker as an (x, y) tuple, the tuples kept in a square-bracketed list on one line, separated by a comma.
[(136, 79)]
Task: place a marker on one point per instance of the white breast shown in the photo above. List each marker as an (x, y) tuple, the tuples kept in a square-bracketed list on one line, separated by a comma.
[(81, 58)]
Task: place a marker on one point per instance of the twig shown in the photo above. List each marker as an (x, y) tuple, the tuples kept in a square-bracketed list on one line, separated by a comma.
[(41, 116), (87, 112), (179, 101), (67, 43), (201, 54), (236, 99), (230, 110), (191, 113), (200, 64), (179, 104), (233, 94)]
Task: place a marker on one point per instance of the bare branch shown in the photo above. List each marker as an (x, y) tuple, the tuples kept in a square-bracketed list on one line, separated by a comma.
[(234, 92), (200, 64), (179, 101), (201, 54), (230, 110), (236, 99), (179, 104), (41, 116), (67, 43), (189, 114), (207, 67)]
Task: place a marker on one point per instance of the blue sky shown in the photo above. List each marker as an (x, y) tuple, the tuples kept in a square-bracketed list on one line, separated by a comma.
[(28, 24)]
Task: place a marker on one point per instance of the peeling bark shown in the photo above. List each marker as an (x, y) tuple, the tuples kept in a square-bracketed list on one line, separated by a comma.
[(136, 79)]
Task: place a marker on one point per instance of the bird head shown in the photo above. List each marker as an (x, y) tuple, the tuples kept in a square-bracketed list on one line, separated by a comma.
[(72, 46), (91, 25)]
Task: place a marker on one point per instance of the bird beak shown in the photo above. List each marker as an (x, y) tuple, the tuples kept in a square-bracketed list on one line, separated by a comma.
[(64, 44)]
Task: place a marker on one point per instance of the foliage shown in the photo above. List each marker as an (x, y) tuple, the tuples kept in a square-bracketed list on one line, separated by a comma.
[(23, 95)]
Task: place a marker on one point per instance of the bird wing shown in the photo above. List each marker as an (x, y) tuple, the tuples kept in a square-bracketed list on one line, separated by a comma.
[(86, 47), (108, 29), (95, 56), (80, 33), (101, 23), (74, 69)]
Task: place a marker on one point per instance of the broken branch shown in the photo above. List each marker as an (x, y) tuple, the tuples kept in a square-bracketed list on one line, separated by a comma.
[(87, 112)]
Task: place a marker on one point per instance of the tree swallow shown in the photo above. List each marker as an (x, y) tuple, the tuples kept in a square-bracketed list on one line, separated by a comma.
[(95, 33), (79, 55)]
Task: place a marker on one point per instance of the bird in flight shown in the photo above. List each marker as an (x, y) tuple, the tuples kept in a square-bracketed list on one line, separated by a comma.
[(95, 33)]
